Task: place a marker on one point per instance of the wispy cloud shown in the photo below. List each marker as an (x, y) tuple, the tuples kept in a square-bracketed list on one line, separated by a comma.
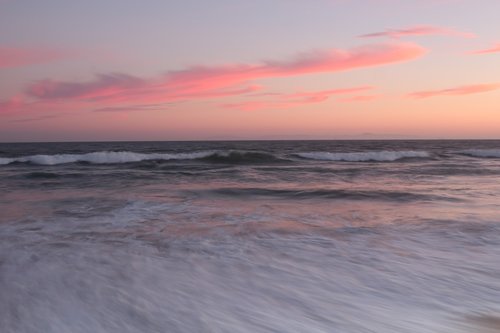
[(128, 108), (103, 86), (112, 91), (461, 90), (419, 30), (202, 81), (328, 61), (17, 56), (494, 49), (27, 120), (286, 101)]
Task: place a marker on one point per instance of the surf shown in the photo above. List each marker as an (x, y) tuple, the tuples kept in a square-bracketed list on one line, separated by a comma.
[(376, 156)]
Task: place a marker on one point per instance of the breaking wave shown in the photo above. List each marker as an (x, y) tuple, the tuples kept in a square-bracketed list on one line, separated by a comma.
[(237, 157), (103, 157), (112, 157), (488, 153), (379, 156)]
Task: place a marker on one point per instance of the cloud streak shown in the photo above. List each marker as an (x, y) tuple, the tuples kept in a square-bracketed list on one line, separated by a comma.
[(494, 49), (40, 118), (218, 81), (419, 30), (286, 101), (329, 61), (128, 108), (118, 92), (11, 57), (457, 91)]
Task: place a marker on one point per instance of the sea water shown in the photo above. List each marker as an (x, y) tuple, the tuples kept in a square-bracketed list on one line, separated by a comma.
[(262, 236)]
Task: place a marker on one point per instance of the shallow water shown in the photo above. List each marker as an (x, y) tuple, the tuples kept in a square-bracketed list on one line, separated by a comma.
[(307, 236)]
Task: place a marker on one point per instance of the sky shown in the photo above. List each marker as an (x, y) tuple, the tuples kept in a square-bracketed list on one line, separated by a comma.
[(106, 70)]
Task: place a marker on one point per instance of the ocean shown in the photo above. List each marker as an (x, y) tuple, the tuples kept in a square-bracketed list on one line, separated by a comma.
[(254, 236)]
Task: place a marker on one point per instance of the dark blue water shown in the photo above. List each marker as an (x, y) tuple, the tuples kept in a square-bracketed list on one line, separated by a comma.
[(281, 236)]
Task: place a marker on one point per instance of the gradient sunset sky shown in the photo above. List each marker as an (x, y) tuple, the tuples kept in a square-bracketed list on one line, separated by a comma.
[(263, 69)]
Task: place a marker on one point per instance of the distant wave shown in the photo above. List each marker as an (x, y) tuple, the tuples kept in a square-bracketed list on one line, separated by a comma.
[(103, 157), (332, 194), (379, 156), (488, 153), (236, 157), (110, 157)]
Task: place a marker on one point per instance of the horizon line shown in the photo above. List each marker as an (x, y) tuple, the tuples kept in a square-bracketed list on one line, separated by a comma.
[(253, 140)]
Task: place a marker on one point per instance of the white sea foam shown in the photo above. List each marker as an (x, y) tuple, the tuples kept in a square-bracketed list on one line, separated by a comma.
[(4, 161), (482, 152), (104, 157), (381, 156), (128, 271)]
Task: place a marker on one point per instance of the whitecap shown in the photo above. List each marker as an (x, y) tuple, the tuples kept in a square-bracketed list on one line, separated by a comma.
[(104, 157), (482, 152), (380, 156), (4, 161)]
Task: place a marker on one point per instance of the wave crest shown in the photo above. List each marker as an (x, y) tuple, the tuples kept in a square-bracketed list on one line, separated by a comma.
[(112, 157), (236, 157), (214, 156), (487, 153), (379, 156), (103, 157)]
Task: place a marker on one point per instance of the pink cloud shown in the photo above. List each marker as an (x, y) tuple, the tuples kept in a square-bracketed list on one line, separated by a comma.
[(17, 57), (39, 118), (207, 81), (462, 90), (308, 63), (103, 86), (12, 104), (202, 82), (118, 88), (128, 108), (494, 49), (320, 96), (285, 101), (420, 30)]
